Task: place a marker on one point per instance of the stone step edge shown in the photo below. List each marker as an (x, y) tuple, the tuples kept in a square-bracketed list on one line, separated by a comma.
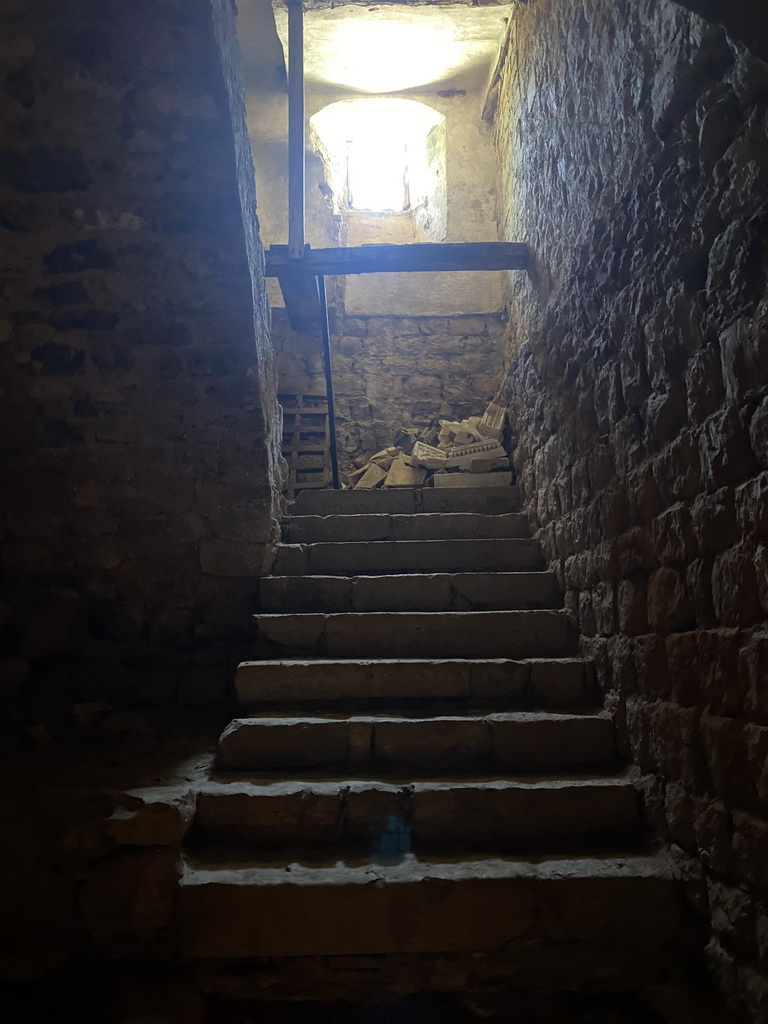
[(530, 742), (196, 870), (288, 518), (522, 542), (559, 682), (270, 718), (556, 816), (559, 612), (387, 526), (531, 632), (502, 574), (411, 662), (245, 908), (406, 662), (522, 590), (278, 787)]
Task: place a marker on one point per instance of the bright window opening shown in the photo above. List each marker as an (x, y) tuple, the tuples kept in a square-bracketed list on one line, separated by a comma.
[(385, 151), (377, 174)]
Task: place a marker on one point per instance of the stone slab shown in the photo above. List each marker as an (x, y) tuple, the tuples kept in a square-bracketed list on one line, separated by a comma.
[(385, 557), (284, 743), (431, 744), (473, 815), (292, 630), (565, 683), (307, 593), (501, 590), (478, 816), (271, 816), (449, 480), (490, 501), (335, 919), (419, 906), (520, 741), (325, 680), (482, 591), (515, 634), (152, 816), (424, 592), (500, 634), (423, 526), (326, 503), (536, 682), (547, 741)]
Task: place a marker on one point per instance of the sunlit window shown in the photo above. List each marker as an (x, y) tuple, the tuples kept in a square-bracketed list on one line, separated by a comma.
[(377, 174), (383, 147)]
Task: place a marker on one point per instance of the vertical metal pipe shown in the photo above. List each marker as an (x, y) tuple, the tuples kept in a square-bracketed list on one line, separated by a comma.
[(328, 380), (296, 145)]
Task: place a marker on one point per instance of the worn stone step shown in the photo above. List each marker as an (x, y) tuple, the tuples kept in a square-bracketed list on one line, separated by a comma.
[(424, 526), (406, 501), (387, 557), (561, 683), (506, 634), (512, 741), (288, 907), (480, 815), (421, 592)]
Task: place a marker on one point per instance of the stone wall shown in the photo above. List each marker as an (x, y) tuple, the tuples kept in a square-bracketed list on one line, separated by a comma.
[(394, 372), (634, 156), (139, 419)]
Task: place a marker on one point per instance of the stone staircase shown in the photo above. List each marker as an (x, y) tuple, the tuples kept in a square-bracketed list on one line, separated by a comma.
[(422, 765)]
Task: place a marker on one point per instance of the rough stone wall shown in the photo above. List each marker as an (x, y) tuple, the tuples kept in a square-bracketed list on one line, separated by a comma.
[(140, 429), (634, 156), (394, 372)]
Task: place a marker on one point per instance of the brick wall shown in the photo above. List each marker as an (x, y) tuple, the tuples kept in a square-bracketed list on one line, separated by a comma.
[(139, 424), (634, 155)]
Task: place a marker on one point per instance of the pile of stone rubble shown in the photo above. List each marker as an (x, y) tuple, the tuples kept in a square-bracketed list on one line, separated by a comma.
[(469, 453)]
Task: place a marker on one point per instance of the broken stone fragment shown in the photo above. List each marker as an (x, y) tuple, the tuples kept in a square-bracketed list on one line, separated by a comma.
[(374, 476), (461, 458), (385, 457), (403, 473), (426, 455), (157, 816), (497, 479), (488, 465), (493, 420)]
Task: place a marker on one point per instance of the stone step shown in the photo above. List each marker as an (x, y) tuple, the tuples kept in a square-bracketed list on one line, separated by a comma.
[(238, 907), (480, 815), (419, 592), (507, 634), (387, 557), (563, 683), (406, 501), (534, 741), (424, 526)]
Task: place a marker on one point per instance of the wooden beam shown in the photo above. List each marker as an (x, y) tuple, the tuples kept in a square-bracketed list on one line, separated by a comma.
[(384, 259), (296, 144), (302, 303)]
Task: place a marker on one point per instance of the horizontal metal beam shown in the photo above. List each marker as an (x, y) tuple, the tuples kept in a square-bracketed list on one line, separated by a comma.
[(384, 259)]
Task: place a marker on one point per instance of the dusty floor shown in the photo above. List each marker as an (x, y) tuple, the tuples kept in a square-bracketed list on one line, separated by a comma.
[(95, 1003), (502, 1008)]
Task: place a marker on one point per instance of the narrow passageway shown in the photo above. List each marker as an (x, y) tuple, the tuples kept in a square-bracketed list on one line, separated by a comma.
[(411, 750), (422, 767)]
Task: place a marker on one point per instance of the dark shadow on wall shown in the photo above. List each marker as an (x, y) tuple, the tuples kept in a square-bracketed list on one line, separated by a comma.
[(745, 20)]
